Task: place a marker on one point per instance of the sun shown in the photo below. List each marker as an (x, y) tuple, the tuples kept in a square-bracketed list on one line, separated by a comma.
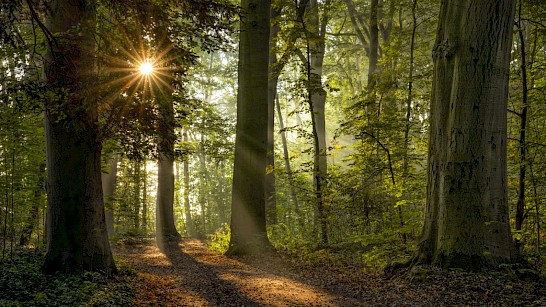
[(146, 68)]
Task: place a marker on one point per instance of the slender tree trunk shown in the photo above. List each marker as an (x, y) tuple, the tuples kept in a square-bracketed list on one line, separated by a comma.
[(77, 235), (108, 187), (203, 184), (373, 55), (409, 102), (32, 220), (136, 206), (187, 206), (520, 206), (248, 225), (466, 219), (315, 37), (274, 71), (222, 203), (287, 166), (145, 198)]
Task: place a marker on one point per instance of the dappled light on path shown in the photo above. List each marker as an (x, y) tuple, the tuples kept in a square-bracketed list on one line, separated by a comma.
[(188, 274)]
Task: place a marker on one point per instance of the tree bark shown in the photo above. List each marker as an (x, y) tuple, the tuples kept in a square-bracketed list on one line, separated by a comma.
[(108, 188), (520, 206), (77, 236), (274, 71), (187, 207), (136, 200), (248, 223), (315, 37), (466, 218), (165, 227), (145, 199)]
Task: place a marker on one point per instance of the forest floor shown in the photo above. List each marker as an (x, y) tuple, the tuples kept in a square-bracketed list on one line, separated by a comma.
[(187, 273)]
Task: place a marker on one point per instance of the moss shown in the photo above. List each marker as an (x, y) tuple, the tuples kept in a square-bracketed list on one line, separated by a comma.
[(472, 263)]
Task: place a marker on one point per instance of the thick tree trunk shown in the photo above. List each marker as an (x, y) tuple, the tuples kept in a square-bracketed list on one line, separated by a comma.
[(77, 236), (108, 188), (165, 227), (248, 225), (466, 222)]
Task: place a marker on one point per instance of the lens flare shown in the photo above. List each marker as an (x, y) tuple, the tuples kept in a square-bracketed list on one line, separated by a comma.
[(146, 68)]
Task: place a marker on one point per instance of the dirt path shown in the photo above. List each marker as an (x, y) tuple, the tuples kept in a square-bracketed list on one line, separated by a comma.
[(188, 274)]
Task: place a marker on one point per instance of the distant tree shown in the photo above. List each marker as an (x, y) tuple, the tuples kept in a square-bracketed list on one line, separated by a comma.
[(248, 221), (466, 223), (109, 180)]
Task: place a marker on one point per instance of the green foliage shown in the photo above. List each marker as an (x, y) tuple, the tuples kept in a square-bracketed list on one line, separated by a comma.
[(283, 238), (22, 284), (131, 237), (219, 240)]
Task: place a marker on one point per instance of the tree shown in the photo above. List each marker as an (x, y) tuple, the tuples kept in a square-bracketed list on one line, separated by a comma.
[(76, 230), (466, 222), (314, 28), (109, 181), (248, 228)]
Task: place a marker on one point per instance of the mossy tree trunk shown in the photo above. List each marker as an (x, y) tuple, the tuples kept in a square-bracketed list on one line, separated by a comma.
[(466, 223)]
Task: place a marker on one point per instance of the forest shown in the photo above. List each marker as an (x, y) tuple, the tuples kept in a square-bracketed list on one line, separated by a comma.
[(272, 153)]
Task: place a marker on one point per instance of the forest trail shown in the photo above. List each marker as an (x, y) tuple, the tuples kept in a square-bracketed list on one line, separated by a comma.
[(189, 274)]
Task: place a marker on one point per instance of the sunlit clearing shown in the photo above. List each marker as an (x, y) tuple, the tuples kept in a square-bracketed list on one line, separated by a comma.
[(146, 68)]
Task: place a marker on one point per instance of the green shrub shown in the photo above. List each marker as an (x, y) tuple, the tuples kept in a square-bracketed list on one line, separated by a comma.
[(219, 240)]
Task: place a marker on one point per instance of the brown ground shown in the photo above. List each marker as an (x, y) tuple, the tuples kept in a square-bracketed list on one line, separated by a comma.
[(189, 274)]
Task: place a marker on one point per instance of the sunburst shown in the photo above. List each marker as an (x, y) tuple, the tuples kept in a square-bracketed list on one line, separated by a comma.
[(142, 68), (146, 68)]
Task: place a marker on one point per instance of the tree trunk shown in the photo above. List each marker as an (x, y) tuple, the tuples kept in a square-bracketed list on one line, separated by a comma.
[(274, 71), (145, 199), (466, 219), (520, 206), (373, 55), (77, 236), (136, 200), (165, 227), (187, 209), (203, 183), (288, 168), (32, 220), (108, 188), (248, 225), (316, 31)]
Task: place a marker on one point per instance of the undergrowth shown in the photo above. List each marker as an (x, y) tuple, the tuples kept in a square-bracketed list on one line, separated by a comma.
[(22, 284), (219, 240)]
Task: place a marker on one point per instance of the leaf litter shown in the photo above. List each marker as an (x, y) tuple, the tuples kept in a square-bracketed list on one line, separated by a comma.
[(187, 273)]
